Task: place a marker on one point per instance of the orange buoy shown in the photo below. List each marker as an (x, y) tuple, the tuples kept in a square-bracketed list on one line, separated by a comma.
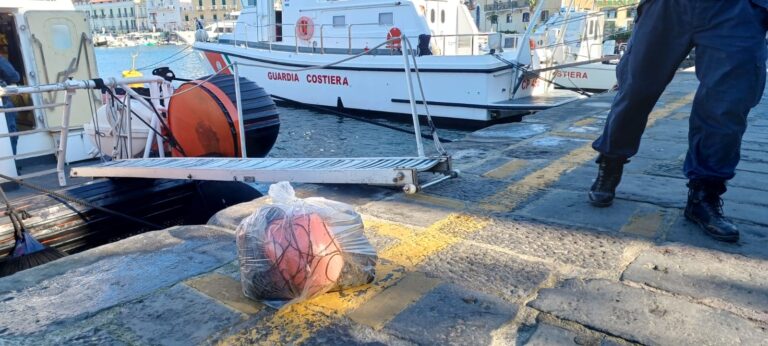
[(203, 119), (394, 34), (305, 28), (305, 257)]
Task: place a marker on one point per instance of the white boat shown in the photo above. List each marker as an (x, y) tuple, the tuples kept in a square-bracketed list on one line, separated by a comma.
[(54, 45), (466, 75), (573, 42), (212, 31)]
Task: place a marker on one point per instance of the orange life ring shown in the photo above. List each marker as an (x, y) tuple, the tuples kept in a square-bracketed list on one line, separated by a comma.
[(305, 28), (394, 34)]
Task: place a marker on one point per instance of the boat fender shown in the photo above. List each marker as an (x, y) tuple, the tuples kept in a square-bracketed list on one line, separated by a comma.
[(532, 44), (305, 28)]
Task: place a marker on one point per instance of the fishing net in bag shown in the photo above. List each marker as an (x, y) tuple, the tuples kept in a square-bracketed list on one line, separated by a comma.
[(294, 249)]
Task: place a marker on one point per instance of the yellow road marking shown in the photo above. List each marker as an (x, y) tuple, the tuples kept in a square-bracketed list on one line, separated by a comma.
[(506, 169), (383, 307), (585, 122), (644, 223), (518, 192), (387, 229), (297, 322), (225, 290)]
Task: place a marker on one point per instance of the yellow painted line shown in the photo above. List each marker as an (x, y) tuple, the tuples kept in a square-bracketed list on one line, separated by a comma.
[(585, 122), (225, 290), (387, 229), (516, 193), (383, 307), (506, 169), (298, 322), (644, 223)]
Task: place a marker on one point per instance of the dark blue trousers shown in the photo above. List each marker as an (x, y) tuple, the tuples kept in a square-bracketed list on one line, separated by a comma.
[(729, 37)]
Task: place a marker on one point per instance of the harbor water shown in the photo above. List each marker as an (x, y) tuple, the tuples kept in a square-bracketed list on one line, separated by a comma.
[(303, 132)]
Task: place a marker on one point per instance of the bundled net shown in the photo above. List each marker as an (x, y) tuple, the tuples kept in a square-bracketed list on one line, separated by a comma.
[(295, 249)]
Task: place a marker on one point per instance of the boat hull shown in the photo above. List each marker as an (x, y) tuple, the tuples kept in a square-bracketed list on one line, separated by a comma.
[(459, 87)]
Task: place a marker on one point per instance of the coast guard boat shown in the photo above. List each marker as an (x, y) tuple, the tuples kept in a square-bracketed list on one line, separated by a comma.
[(293, 48)]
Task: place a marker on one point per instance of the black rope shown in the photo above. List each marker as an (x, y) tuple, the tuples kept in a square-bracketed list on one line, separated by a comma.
[(170, 139), (81, 202)]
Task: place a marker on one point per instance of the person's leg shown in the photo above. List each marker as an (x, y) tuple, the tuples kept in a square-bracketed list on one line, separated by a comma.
[(730, 64), (660, 41)]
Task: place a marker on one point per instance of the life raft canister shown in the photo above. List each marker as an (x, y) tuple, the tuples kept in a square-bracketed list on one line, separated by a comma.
[(394, 34), (305, 28)]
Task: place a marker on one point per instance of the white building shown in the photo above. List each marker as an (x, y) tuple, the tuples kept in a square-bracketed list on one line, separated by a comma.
[(164, 15), (115, 16)]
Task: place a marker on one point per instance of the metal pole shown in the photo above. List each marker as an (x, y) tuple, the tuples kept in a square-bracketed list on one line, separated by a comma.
[(129, 125), (61, 158), (240, 120), (414, 113)]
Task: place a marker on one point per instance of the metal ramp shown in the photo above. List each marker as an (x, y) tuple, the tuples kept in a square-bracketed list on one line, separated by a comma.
[(389, 171)]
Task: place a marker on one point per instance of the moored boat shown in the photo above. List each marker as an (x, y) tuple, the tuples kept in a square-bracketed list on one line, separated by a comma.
[(466, 75)]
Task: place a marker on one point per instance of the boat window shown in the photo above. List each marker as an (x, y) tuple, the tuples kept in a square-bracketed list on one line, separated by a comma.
[(442, 16), (432, 15), (526, 17), (339, 20), (591, 27), (62, 38), (386, 18)]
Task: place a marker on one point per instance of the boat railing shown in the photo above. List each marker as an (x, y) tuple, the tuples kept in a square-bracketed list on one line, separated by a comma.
[(450, 44), (159, 89)]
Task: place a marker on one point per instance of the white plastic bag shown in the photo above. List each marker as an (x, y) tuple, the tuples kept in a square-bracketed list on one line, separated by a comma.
[(296, 249)]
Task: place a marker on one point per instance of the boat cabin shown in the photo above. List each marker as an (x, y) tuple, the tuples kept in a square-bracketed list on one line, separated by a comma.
[(346, 26), (46, 41)]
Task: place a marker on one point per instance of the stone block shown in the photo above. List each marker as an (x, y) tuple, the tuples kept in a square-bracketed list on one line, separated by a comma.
[(452, 315), (646, 317), (704, 274)]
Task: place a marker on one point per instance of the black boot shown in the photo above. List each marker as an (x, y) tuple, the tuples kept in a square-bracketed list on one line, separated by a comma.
[(705, 207), (608, 178)]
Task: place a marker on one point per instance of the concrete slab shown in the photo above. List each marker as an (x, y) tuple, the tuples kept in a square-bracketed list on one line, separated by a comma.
[(560, 245), (706, 275), (485, 270), (646, 317), (80, 285), (451, 315), (548, 335), (573, 208), (177, 316)]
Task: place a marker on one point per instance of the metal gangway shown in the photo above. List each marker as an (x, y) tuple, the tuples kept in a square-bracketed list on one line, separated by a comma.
[(400, 172)]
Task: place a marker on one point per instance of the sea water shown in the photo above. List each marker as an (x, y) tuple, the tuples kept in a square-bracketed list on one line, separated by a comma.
[(303, 132)]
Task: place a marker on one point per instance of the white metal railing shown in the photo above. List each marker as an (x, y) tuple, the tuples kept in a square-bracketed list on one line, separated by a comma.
[(461, 44), (70, 87)]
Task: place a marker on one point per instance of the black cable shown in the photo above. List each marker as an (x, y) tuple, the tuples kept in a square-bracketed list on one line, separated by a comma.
[(81, 202), (170, 139), (146, 67)]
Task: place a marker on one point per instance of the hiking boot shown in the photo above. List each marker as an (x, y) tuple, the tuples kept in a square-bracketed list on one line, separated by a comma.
[(608, 178), (705, 207)]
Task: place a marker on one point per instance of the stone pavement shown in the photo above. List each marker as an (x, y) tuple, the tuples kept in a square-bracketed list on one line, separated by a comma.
[(511, 253)]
